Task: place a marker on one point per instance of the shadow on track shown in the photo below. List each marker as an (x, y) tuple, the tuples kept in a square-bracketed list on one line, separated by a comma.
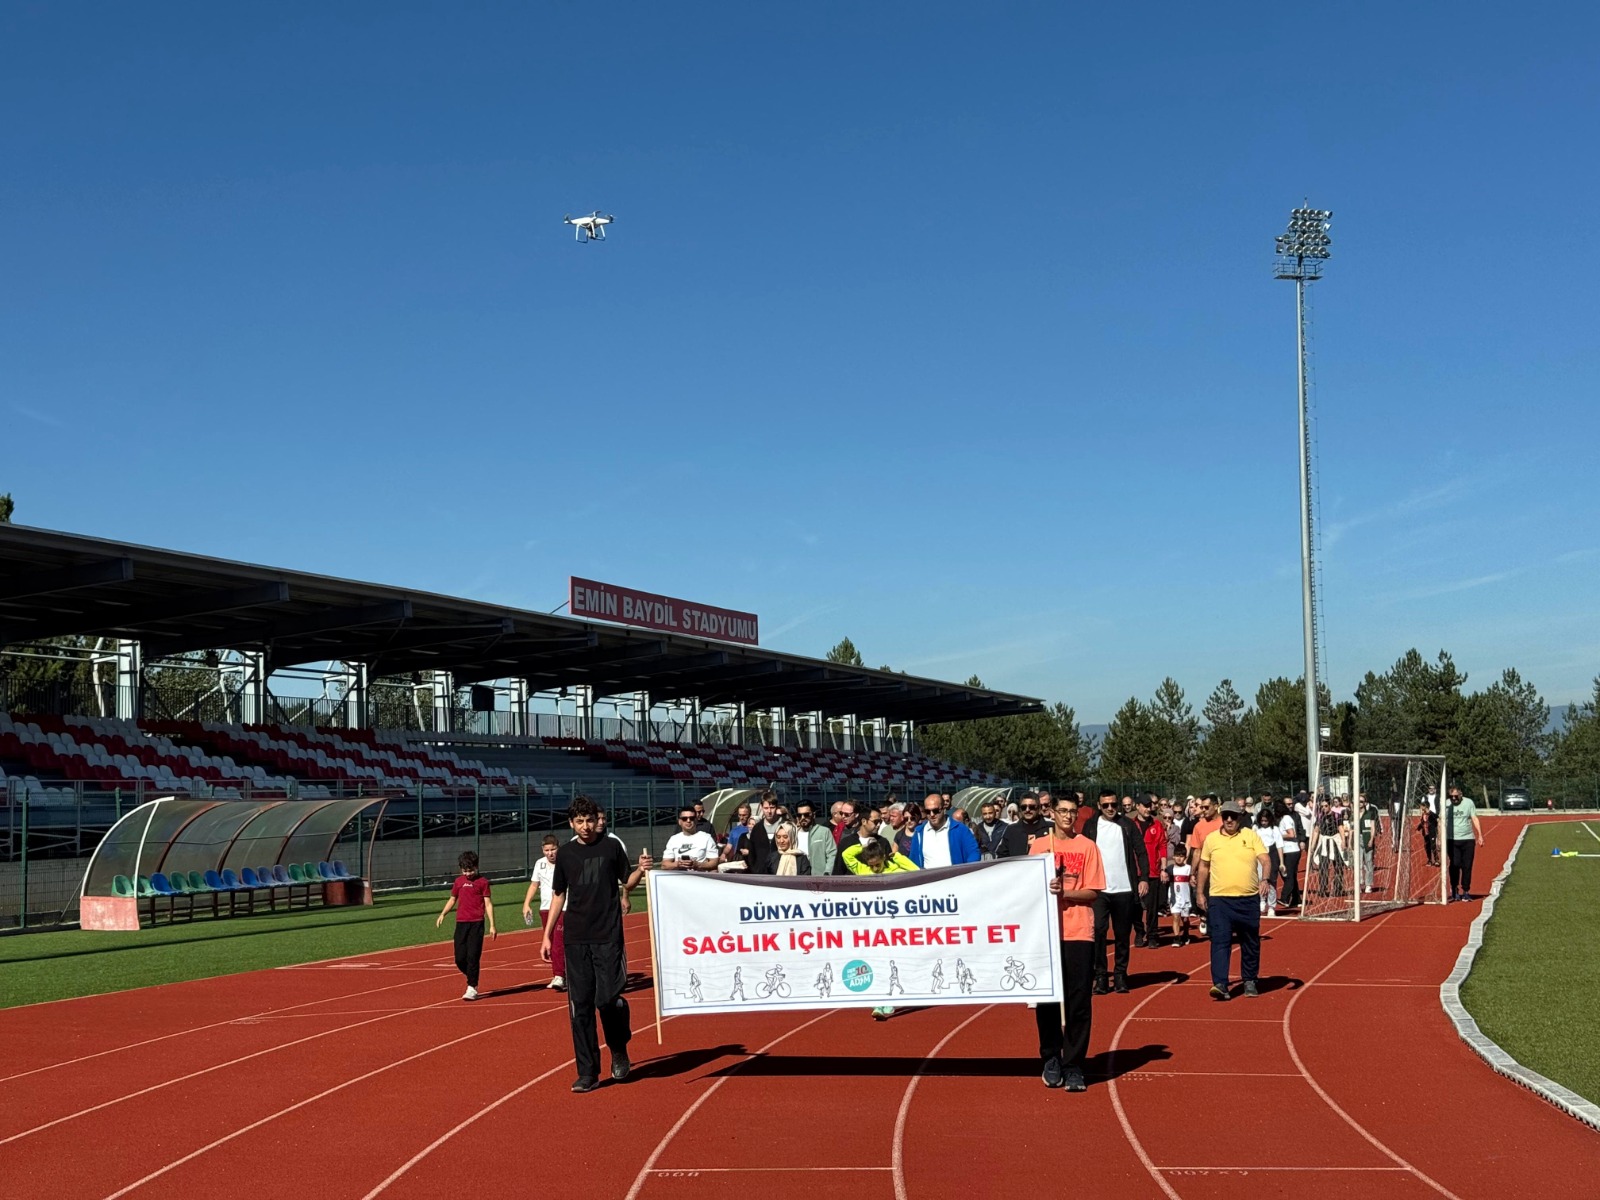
[(684, 1061), (1109, 1064)]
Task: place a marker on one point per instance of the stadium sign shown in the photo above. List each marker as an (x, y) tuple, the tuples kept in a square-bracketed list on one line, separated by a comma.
[(985, 933), (607, 602)]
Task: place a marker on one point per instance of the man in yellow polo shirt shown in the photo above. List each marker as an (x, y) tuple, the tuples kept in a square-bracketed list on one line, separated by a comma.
[(1230, 887)]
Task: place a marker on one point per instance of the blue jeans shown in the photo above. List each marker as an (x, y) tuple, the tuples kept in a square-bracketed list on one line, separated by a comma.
[(1225, 917)]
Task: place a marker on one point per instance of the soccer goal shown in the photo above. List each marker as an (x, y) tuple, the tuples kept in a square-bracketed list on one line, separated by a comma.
[(1375, 840)]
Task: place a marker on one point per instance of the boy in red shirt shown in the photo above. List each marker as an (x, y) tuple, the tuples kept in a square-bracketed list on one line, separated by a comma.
[(471, 891), (1078, 879)]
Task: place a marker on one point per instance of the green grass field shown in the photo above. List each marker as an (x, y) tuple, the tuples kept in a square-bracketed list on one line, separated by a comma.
[(55, 966), (1532, 987)]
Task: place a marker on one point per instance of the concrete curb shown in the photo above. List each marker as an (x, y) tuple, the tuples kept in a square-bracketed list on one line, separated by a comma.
[(1486, 1048)]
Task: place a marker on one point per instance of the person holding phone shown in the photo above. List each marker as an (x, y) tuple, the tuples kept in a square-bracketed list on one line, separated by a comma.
[(691, 848), (1077, 881)]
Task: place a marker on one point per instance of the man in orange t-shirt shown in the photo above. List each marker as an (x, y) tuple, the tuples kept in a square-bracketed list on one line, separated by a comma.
[(1078, 879)]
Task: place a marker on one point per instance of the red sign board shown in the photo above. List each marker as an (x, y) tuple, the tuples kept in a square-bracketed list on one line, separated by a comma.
[(607, 602)]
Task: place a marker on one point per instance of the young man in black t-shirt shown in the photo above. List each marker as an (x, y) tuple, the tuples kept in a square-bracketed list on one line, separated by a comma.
[(590, 883)]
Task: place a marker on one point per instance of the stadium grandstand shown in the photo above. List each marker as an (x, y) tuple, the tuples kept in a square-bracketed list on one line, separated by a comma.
[(129, 673)]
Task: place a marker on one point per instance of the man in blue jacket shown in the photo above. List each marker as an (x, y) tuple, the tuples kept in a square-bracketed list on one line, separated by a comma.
[(939, 841)]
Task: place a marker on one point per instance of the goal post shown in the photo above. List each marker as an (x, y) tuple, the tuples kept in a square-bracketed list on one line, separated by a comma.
[(1376, 837)]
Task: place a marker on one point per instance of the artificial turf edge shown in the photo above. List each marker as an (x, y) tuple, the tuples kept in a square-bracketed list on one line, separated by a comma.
[(1532, 985)]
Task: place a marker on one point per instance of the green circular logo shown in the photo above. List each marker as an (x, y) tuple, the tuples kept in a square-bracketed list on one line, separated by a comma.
[(856, 976)]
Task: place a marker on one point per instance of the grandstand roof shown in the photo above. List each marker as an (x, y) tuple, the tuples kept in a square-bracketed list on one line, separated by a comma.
[(54, 584)]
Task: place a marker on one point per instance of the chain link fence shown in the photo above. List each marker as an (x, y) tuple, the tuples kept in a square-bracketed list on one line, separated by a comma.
[(45, 845)]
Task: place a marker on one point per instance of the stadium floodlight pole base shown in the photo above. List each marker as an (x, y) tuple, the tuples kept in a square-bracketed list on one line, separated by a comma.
[(1368, 849)]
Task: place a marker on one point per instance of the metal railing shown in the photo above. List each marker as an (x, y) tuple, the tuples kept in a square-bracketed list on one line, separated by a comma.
[(45, 841)]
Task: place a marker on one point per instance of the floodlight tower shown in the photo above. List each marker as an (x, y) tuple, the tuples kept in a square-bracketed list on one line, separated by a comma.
[(1301, 252)]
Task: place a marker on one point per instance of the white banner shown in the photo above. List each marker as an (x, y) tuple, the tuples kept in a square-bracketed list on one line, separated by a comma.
[(961, 935)]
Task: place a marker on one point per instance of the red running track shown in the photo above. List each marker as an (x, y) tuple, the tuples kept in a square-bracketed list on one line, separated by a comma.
[(369, 1077)]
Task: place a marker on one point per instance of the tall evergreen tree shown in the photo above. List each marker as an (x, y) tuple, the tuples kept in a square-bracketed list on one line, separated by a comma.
[(1577, 746), (1227, 755), (1125, 750), (1174, 737), (846, 654), (1413, 708)]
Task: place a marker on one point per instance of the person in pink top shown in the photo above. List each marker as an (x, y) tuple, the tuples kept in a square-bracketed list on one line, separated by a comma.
[(469, 896)]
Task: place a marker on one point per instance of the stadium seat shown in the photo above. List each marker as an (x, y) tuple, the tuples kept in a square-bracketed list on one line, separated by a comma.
[(286, 880), (162, 886), (326, 872), (122, 886), (340, 871)]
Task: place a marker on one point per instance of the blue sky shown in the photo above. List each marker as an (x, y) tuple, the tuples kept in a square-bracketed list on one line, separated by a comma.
[(950, 328)]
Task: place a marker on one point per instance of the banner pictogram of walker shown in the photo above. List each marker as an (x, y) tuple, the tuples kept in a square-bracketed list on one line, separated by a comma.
[(981, 934)]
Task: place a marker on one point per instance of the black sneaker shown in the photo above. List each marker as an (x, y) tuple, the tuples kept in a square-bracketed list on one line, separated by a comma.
[(1121, 984), (1218, 992), (620, 1066), (1074, 1081), (1052, 1072), (1250, 988), (1100, 988), (585, 1084)]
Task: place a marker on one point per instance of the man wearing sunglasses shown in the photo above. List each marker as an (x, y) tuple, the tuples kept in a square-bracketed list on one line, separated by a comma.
[(1030, 824), (691, 848), (819, 845), (1127, 869), (1230, 886), (939, 841)]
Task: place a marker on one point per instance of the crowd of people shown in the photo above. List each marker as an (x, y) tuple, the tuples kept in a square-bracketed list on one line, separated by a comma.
[(1129, 872)]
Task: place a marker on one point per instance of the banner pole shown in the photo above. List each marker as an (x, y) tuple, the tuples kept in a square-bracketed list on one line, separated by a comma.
[(1055, 925), (655, 958)]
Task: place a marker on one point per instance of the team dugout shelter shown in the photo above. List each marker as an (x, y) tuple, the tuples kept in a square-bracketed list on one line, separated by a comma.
[(152, 605)]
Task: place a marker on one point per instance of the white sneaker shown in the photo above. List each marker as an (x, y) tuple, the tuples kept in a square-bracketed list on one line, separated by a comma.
[(1267, 914), (558, 984), (470, 994)]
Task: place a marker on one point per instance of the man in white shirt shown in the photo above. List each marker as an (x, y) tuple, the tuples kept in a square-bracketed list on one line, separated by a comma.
[(1127, 868), (939, 841), (690, 849)]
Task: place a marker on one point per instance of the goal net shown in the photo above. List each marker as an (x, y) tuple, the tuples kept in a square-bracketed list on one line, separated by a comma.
[(1374, 841)]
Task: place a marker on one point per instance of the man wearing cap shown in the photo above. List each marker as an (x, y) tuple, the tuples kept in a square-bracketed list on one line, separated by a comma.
[(1230, 884)]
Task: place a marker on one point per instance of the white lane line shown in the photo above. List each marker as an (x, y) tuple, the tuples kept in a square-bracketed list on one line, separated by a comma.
[(897, 1157), (1116, 1099), (650, 1163), (322, 1095), (1288, 1039), (1249, 1170), (201, 1029), (728, 1170), (166, 1083), (1141, 1073), (1208, 1020), (482, 1112), (443, 1138), (1592, 833), (536, 961)]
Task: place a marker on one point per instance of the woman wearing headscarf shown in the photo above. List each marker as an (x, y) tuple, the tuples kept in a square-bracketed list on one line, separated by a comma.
[(786, 856)]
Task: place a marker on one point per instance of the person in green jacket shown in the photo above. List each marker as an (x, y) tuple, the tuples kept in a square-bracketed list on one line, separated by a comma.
[(874, 857)]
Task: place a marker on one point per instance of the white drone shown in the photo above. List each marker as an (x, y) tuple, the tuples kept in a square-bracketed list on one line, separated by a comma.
[(591, 228)]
